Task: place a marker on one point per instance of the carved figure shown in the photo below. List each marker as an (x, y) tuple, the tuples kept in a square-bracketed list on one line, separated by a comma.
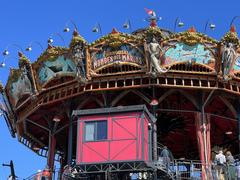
[(21, 86), (154, 50), (228, 56), (79, 56)]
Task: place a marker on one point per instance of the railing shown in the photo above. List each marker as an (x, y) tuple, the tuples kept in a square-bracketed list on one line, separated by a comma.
[(192, 169), (174, 169)]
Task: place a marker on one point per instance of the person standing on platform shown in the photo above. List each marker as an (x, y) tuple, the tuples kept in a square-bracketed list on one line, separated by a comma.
[(220, 160), (231, 170), (166, 157), (238, 170)]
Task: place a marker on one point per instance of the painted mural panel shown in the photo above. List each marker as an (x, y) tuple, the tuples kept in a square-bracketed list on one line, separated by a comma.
[(51, 68), (108, 55), (236, 66), (181, 52)]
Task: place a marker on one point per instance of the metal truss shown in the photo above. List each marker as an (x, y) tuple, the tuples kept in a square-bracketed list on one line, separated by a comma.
[(114, 167)]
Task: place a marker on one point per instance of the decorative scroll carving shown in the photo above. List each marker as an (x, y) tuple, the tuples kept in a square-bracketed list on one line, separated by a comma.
[(191, 37)]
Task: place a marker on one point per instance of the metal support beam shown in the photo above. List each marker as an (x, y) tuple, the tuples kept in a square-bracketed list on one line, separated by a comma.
[(51, 151), (238, 123), (70, 140)]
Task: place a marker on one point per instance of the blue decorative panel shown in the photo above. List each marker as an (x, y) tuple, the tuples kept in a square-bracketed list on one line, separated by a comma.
[(184, 53), (236, 66), (52, 67)]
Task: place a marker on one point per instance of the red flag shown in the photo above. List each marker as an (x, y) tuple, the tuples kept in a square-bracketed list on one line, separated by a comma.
[(149, 11)]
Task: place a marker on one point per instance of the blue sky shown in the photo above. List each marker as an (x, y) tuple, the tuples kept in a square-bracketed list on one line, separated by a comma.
[(28, 20)]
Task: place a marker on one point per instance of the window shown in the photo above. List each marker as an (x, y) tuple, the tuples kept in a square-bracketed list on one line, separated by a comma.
[(95, 130)]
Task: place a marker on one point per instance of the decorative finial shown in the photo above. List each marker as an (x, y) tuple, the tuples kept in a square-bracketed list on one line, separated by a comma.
[(23, 60), (75, 33), (49, 46), (20, 54), (233, 29), (114, 31), (192, 29)]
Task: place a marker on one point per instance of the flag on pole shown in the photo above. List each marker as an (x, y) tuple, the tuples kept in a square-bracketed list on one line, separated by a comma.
[(150, 12)]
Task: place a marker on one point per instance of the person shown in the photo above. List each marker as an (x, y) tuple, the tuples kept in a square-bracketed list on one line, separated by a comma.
[(134, 176), (231, 171), (220, 161), (78, 54), (238, 170), (154, 50), (165, 157)]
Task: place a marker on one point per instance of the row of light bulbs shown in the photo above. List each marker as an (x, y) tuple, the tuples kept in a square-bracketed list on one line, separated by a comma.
[(97, 28)]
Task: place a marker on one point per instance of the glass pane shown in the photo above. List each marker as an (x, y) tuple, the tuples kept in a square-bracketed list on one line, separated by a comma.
[(101, 130), (89, 131)]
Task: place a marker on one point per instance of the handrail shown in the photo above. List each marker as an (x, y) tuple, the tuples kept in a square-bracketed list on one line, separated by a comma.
[(176, 169)]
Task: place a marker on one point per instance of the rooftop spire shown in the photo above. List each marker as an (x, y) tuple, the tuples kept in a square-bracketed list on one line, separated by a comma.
[(23, 60), (233, 29), (192, 29), (114, 31), (75, 33)]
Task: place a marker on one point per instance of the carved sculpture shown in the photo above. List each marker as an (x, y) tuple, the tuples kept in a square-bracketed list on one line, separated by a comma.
[(79, 57), (228, 56), (155, 50)]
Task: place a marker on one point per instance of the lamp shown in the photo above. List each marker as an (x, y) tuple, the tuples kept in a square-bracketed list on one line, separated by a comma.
[(97, 28), (29, 47), (178, 23), (2, 64), (6, 52), (154, 102), (127, 25), (56, 118), (35, 147), (50, 39), (67, 29), (210, 25), (228, 132)]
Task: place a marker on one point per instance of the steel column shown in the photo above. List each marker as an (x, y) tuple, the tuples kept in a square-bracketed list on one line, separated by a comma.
[(70, 140), (238, 123), (51, 151)]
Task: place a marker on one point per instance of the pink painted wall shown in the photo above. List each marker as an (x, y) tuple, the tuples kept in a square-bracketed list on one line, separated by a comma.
[(124, 141)]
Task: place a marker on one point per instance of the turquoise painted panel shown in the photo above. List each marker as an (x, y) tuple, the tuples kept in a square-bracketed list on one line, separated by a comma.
[(184, 53), (58, 66), (236, 66)]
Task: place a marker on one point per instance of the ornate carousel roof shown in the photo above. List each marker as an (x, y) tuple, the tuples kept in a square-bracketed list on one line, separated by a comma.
[(121, 61)]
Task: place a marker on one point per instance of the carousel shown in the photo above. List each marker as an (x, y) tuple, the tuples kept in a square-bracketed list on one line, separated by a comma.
[(103, 109)]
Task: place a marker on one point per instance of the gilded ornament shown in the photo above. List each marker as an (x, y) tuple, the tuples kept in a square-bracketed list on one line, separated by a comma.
[(23, 60)]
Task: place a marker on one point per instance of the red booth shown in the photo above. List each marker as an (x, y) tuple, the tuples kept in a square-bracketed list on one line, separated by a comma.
[(118, 134)]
